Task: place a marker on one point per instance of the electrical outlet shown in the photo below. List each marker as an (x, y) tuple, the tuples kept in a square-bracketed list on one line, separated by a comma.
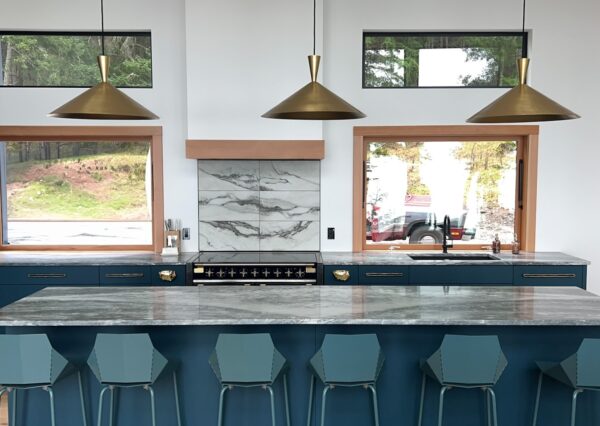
[(331, 233), (185, 234)]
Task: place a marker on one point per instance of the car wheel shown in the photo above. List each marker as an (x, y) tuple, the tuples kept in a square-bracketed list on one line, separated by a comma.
[(425, 235)]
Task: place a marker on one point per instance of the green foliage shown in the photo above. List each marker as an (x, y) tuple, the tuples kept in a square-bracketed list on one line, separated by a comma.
[(393, 61), (58, 60), (411, 154)]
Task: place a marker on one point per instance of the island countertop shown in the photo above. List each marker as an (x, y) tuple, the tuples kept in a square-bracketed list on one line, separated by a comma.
[(300, 305)]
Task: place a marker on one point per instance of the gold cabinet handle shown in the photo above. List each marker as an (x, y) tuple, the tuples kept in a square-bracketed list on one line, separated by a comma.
[(341, 274), (167, 275), (384, 274), (549, 275), (129, 275), (46, 275)]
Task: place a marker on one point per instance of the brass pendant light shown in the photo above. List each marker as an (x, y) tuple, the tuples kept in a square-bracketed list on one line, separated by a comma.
[(103, 101), (522, 103), (314, 101)]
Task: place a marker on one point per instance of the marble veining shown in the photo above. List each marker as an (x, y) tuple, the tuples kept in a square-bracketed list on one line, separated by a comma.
[(259, 205), (305, 305), (401, 258)]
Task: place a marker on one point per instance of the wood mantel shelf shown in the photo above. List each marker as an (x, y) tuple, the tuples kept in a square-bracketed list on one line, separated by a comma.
[(217, 149)]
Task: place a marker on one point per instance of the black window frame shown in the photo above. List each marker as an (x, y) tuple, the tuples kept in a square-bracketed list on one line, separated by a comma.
[(84, 34), (524, 48)]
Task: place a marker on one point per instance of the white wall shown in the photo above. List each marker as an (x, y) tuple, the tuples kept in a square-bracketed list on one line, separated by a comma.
[(244, 56), (564, 66), (167, 98)]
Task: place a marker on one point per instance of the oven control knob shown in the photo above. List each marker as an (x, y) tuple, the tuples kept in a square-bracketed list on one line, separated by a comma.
[(220, 273), (243, 272), (288, 272), (232, 272), (209, 273), (254, 272), (266, 273), (277, 273), (300, 273)]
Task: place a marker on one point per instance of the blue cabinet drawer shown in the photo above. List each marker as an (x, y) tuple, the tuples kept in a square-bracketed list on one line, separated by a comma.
[(382, 275), (125, 275), (340, 274), (49, 275), (461, 275), (177, 270), (11, 294), (550, 275)]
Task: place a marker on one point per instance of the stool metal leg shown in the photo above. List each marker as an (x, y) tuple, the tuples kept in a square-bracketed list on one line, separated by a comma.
[(51, 395), (13, 416), (423, 385), (441, 404), (537, 398), (375, 407), (81, 397), (323, 403), (287, 401), (100, 400), (152, 406), (574, 405), (272, 397), (488, 405), (310, 400), (176, 393), (493, 396), (221, 401), (111, 415)]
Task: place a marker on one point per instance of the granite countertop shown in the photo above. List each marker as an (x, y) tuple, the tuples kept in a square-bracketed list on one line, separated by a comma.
[(91, 258), (369, 305), (401, 258)]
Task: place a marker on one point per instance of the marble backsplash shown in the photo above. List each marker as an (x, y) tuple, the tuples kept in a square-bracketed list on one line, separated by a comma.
[(258, 205)]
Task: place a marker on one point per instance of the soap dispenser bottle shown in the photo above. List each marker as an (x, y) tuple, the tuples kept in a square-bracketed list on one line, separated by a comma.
[(516, 245), (496, 245)]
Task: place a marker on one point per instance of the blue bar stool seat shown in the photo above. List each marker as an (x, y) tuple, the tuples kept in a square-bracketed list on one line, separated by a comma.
[(249, 360), (465, 362), (580, 371), (28, 362), (129, 361), (346, 361)]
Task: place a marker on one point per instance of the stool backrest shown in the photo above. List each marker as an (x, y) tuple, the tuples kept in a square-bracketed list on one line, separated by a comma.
[(246, 358), (468, 360), (125, 358), (348, 359), (585, 372), (29, 359)]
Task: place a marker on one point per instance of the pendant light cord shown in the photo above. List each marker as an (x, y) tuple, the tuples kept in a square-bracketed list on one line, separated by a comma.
[(524, 9), (314, 27), (102, 21)]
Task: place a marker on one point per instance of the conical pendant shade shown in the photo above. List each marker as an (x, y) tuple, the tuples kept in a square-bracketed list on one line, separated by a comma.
[(314, 102), (522, 104), (103, 102)]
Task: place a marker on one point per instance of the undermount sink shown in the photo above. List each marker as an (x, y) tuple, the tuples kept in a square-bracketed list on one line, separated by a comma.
[(453, 256)]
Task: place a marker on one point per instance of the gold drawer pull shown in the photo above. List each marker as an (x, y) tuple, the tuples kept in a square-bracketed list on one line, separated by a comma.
[(46, 275), (129, 275), (549, 275), (384, 274), (341, 275), (167, 275)]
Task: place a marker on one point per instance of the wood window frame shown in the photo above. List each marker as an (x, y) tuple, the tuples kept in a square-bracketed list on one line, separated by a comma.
[(151, 134), (527, 137)]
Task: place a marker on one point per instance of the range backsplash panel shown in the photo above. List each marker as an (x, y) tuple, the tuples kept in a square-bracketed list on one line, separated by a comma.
[(259, 205)]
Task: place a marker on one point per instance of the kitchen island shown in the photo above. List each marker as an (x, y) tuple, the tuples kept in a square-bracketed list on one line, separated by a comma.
[(533, 323)]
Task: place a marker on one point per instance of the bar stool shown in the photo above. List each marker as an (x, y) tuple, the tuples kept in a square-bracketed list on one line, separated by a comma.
[(346, 361), (129, 361), (580, 371), (30, 362), (465, 362), (246, 361)]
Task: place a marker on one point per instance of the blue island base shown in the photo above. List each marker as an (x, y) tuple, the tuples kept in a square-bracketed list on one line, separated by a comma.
[(398, 387)]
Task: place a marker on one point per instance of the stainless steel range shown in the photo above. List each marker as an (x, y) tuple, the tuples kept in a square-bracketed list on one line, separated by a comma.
[(256, 268)]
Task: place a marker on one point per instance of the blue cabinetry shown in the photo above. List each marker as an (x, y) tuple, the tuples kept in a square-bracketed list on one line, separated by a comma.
[(461, 275), (177, 270), (126, 275), (336, 274), (383, 275), (550, 275), (49, 275)]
